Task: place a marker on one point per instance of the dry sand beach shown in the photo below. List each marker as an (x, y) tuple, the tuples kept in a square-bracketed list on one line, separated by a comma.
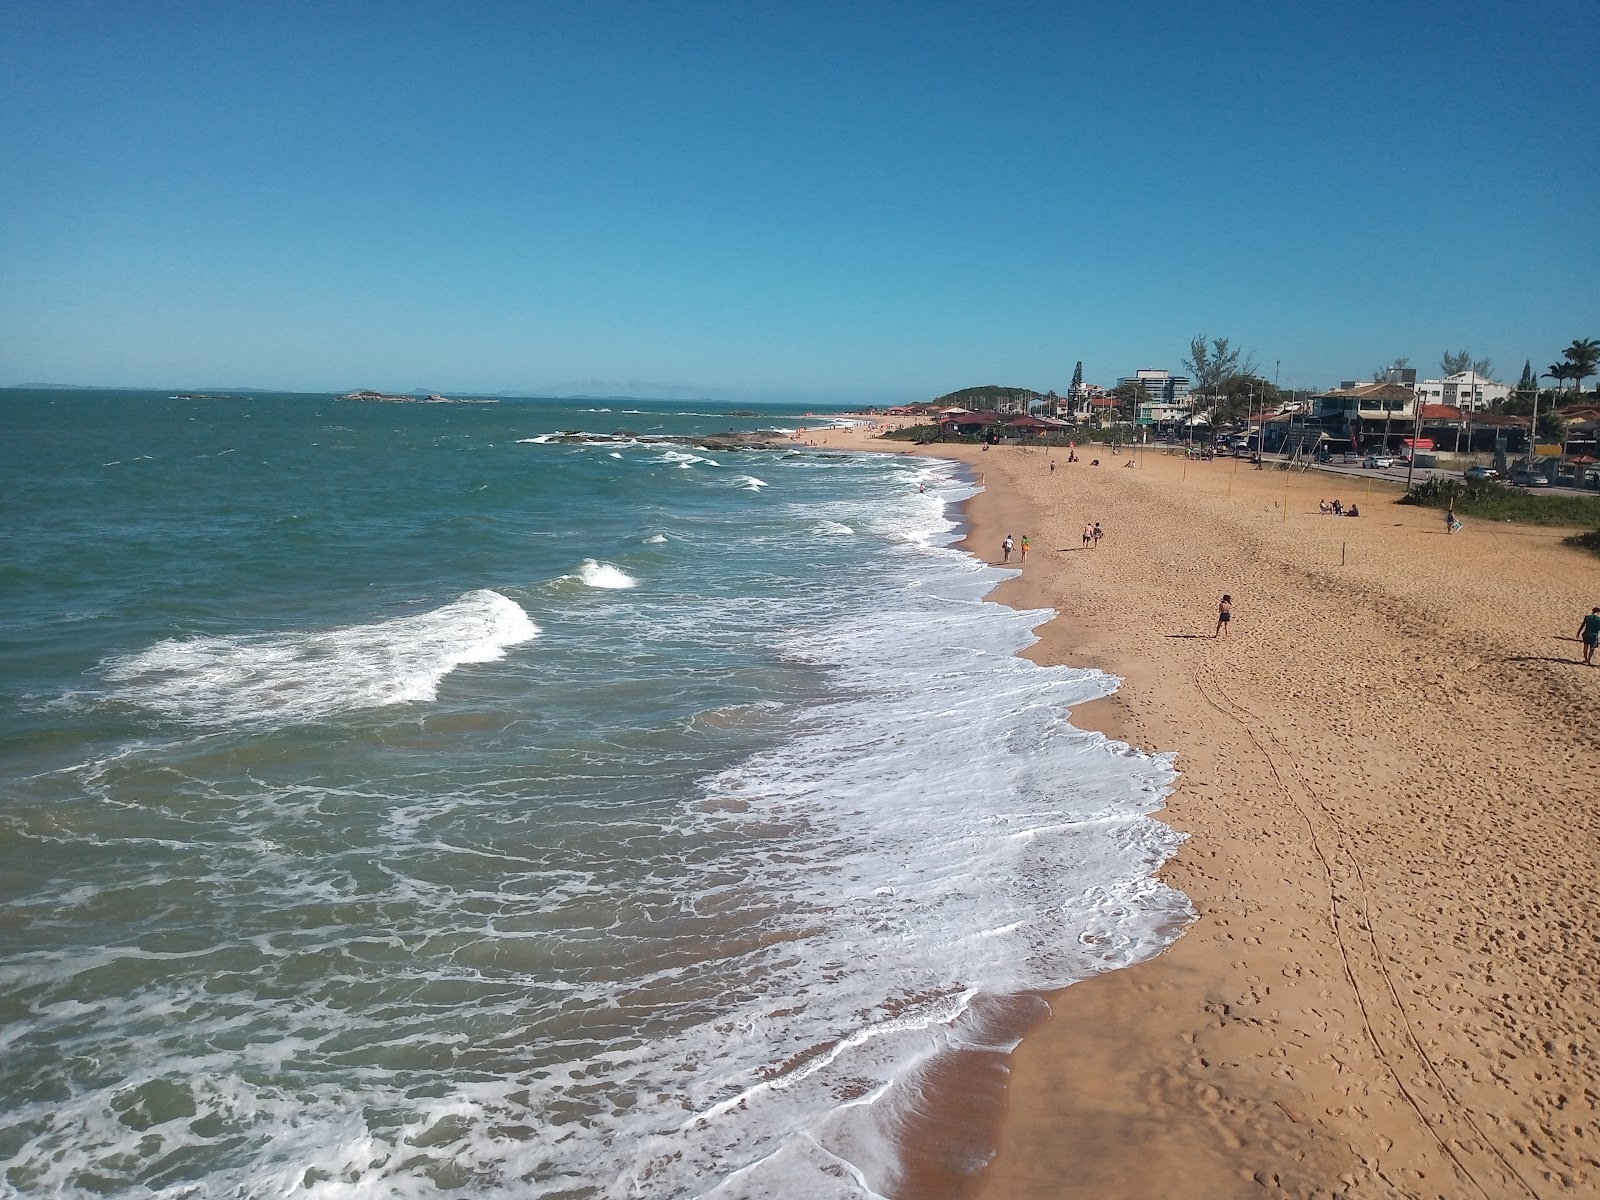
[(1391, 785)]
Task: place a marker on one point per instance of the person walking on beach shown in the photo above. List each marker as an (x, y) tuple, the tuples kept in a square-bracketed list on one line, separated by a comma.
[(1224, 615), (1006, 547), (1097, 535), (1450, 522), (1088, 535), (1589, 634), (1025, 547)]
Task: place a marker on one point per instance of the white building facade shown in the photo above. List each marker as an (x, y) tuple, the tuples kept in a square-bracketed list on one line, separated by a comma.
[(1468, 391)]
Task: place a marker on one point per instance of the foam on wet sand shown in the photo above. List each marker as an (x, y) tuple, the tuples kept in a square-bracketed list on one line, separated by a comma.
[(1388, 774)]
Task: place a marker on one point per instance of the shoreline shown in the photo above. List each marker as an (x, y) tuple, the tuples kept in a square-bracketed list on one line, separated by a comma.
[(1393, 979)]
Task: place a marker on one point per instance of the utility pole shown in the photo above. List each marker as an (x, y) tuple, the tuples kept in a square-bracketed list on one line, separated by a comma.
[(1416, 436)]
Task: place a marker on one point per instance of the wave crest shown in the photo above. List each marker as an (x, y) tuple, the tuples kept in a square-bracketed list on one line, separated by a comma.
[(297, 677)]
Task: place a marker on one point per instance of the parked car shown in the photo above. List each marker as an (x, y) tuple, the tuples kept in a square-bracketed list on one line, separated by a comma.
[(1524, 478), (1480, 473), (1377, 461), (1351, 458)]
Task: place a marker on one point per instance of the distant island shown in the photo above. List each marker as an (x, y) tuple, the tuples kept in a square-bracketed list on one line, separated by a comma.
[(430, 398)]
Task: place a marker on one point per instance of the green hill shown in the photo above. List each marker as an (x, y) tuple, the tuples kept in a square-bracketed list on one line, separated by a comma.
[(991, 396)]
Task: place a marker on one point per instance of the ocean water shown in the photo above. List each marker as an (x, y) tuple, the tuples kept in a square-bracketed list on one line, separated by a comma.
[(400, 803)]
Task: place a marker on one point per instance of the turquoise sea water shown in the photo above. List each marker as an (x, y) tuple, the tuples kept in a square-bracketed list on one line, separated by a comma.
[(398, 803)]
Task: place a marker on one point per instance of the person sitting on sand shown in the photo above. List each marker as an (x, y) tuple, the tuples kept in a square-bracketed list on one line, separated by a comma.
[(1324, 507), (1224, 615), (1130, 463), (1354, 512), (1338, 509), (1094, 462)]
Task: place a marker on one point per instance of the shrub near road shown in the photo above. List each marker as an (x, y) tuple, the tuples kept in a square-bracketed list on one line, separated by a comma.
[(1491, 501)]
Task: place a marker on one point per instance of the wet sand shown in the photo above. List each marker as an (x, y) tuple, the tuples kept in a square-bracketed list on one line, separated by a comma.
[(1391, 787)]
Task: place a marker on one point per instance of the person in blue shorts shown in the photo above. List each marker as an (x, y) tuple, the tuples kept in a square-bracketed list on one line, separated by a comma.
[(1589, 632)]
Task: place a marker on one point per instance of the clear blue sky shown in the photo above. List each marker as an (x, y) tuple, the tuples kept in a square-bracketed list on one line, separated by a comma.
[(829, 201)]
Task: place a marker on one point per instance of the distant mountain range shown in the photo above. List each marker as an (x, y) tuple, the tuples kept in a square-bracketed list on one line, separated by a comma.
[(118, 387), (588, 389)]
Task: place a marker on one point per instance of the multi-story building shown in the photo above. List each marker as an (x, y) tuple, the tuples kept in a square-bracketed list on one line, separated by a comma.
[(1467, 390), (1159, 387), (1365, 413)]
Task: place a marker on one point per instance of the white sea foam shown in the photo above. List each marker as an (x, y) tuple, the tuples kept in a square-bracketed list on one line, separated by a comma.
[(655, 538), (443, 982), (604, 575), (833, 529), (749, 483), (307, 676), (683, 458)]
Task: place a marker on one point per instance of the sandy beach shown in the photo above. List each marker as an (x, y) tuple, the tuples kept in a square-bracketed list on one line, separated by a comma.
[(1390, 784)]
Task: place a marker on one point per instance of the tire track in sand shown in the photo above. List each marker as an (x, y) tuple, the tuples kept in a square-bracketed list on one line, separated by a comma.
[(1293, 782)]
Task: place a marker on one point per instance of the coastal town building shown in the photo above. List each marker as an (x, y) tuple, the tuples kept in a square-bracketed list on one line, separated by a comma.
[(1158, 387), (1363, 413), (1466, 390)]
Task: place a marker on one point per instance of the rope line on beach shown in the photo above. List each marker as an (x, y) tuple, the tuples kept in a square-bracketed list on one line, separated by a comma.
[(1238, 713)]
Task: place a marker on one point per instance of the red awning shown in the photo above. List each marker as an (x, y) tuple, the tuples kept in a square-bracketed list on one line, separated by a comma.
[(1418, 443)]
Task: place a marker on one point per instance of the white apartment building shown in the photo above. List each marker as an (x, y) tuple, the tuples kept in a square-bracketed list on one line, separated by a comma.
[(1468, 391), (1159, 387)]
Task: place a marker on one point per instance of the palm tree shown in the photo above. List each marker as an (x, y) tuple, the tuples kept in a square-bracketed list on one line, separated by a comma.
[(1583, 356), (1558, 372)]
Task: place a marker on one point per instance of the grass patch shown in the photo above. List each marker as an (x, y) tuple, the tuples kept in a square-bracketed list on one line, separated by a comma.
[(1585, 541), (1490, 501)]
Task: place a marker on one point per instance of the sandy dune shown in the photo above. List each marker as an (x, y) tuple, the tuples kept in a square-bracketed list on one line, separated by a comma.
[(1392, 787)]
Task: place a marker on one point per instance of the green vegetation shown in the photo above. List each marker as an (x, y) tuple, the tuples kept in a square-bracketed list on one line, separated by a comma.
[(985, 399), (1491, 501), (912, 433), (1585, 541)]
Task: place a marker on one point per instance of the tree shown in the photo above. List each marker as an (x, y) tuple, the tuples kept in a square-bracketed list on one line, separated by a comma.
[(1210, 366), (1240, 396), (1552, 426), (1128, 394), (1527, 383), (1077, 380), (1462, 360), (1382, 373), (1582, 357)]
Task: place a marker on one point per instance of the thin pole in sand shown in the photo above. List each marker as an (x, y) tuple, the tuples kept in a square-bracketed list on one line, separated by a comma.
[(1341, 554), (1286, 508)]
